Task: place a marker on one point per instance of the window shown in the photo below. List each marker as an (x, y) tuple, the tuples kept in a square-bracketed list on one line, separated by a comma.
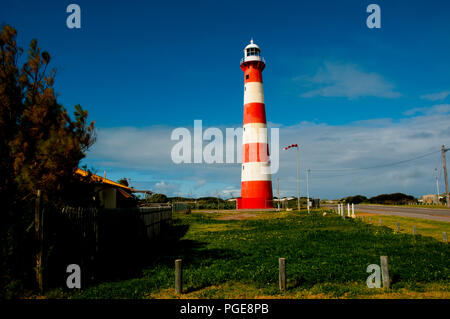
[(252, 52), (247, 76)]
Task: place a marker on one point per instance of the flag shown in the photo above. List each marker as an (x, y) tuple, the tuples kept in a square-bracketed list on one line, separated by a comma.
[(288, 147)]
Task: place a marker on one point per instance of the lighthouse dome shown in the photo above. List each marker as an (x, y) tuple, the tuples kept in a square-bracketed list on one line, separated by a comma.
[(252, 45)]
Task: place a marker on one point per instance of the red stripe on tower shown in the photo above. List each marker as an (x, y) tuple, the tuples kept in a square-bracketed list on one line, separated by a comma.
[(256, 184)]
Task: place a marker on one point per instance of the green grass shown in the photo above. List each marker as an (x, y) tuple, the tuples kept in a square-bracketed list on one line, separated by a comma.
[(424, 227), (326, 257), (409, 206)]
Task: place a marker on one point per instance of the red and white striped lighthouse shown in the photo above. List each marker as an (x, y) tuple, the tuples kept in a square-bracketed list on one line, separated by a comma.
[(256, 184)]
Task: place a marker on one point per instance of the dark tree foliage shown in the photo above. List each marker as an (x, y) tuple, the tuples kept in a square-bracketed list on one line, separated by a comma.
[(40, 147), (393, 199), (123, 181), (158, 198), (355, 199)]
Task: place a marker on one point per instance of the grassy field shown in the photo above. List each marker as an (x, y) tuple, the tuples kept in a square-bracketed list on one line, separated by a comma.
[(424, 227), (410, 206), (235, 255)]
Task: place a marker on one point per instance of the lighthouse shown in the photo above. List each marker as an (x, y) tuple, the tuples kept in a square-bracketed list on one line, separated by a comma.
[(256, 184)]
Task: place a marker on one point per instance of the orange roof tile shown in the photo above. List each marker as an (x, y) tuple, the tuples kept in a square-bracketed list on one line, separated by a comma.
[(99, 179)]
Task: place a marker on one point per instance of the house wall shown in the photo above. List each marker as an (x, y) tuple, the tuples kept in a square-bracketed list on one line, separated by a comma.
[(429, 199), (108, 197)]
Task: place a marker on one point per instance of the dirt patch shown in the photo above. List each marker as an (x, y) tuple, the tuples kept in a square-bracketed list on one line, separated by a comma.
[(238, 290), (216, 227), (238, 216), (365, 214)]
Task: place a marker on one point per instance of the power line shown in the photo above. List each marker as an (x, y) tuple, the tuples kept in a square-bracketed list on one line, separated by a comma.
[(376, 166)]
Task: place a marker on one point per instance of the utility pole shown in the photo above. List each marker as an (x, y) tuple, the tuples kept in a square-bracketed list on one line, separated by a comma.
[(307, 188), (437, 186), (298, 179), (445, 175), (278, 191)]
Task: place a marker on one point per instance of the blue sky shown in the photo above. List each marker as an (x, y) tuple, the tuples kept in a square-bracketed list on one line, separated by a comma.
[(349, 94)]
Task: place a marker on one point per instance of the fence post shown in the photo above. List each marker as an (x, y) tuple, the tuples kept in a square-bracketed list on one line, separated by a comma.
[(381, 222), (385, 271), (414, 230), (178, 277), (282, 276), (39, 236), (398, 227), (444, 235)]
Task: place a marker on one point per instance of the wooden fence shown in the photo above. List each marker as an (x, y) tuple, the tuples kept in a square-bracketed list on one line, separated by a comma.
[(93, 239), (152, 218)]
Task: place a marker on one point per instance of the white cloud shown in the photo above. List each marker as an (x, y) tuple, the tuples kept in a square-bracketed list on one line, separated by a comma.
[(331, 151), (347, 80), (230, 191), (200, 183), (436, 96), (165, 188), (435, 109)]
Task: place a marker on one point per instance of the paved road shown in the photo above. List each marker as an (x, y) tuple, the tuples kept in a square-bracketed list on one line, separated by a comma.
[(415, 212)]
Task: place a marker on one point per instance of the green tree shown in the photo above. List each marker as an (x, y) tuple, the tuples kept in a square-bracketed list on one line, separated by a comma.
[(355, 199), (40, 145), (158, 198), (123, 181)]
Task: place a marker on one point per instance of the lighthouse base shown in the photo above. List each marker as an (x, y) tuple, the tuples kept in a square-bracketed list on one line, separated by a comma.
[(253, 203), (255, 194)]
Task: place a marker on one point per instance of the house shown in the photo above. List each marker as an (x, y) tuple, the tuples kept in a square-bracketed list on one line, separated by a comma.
[(430, 199), (112, 194)]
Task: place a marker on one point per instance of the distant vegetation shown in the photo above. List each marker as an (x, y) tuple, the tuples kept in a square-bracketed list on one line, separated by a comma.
[(206, 202), (155, 198), (355, 199), (387, 199), (211, 202)]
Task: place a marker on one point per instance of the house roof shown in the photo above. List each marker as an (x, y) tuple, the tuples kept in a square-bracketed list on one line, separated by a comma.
[(99, 179)]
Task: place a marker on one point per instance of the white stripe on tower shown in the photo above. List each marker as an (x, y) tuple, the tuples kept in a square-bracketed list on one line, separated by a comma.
[(253, 93), (254, 133), (256, 171)]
